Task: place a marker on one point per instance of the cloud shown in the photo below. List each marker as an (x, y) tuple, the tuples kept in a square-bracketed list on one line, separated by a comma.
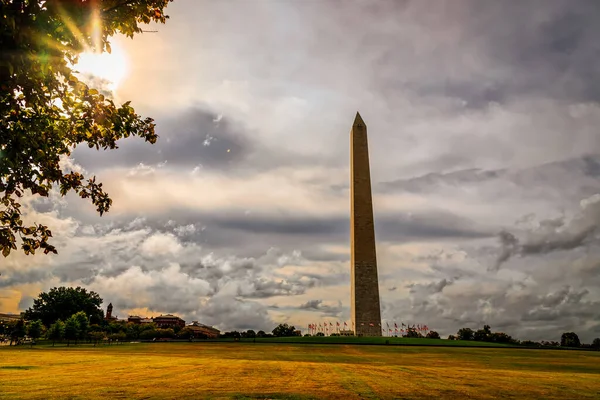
[(186, 140), (331, 310), (482, 125), (554, 234)]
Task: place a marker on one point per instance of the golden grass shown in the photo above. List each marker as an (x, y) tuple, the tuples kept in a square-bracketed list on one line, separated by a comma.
[(245, 370)]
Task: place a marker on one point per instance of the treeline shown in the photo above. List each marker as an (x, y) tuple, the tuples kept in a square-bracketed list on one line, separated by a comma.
[(77, 328), (281, 330), (567, 339)]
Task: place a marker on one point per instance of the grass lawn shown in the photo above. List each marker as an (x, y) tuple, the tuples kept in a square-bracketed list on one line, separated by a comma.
[(375, 340), (292, 371)]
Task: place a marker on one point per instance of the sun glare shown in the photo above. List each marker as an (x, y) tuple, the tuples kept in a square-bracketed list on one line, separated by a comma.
[(110, 69)]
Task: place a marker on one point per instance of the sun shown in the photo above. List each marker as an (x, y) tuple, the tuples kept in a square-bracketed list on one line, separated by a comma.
[(103, 69)]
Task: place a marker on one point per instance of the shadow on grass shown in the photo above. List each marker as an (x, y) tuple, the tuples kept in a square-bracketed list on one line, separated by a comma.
[(22, 367)]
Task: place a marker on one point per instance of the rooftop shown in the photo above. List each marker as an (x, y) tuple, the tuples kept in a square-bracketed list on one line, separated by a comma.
[(170, 316)]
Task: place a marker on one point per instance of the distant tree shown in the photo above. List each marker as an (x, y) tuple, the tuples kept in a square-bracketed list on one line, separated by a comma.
[(451, 337), (56, 331), (284, 330), (231, 334), (500, 337), (132, 331), (260, 334), (71, 329), (483, 335), (18, 332), (433, 335), (118, 337), (530, 343), (465, 334), (250, 333), (83, 322), (186, 333), (62, 302), (97, 336), (117, 327), (569, 339), (165, 333), (596, 344), (148, 334), (412, 333), (307, 335), (35, 329), (320, 334)]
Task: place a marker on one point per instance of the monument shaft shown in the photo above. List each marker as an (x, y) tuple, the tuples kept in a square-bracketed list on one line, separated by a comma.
[(366, 311)]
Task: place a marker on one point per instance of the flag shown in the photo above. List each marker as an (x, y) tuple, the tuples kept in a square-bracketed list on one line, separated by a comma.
[(337, 323), (395, 326), (371, 324), (345, 323), (403, 324), (388, 325), (330, 324)]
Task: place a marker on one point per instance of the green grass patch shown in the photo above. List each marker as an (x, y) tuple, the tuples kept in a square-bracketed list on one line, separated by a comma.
[(373, 340), (242, 370)]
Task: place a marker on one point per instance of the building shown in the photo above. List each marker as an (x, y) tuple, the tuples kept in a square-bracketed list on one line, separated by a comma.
[(169, 321), (201, 331), (134, 319), (10, 317), (109, 317), (364, 284)]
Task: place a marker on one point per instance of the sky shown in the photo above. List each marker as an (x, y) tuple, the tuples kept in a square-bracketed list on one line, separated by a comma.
[(483, 123)]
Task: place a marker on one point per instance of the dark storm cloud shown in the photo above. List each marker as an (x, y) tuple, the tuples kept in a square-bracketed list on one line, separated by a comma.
[(580, 175), (428, 226), (289, 225), (195, 137), (433, 180), (515, 48), (389, 226), (311, 305), (566, 303), (553, 234), (13, 277), (519, 310), (262, 288), (437, 287), (318, 305)]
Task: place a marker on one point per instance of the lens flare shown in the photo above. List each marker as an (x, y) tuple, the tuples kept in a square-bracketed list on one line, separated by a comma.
[(103, 69)]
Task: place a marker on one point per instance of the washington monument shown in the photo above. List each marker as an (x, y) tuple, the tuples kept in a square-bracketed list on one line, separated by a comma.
[(366, 311)]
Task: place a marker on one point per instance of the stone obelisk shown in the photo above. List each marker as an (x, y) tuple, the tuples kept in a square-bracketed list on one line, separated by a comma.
[(366, 311)]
